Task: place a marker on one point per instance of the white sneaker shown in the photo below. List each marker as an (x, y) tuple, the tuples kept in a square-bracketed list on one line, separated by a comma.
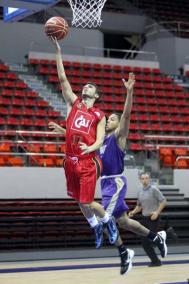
[(126, 261), (161, 243)]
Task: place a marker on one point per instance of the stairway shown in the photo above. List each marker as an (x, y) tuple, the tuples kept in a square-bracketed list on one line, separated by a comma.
[(176, 211), (173, 195), (38, 86)]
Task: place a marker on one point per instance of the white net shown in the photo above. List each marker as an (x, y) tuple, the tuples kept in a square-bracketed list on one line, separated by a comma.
[(87, 13)]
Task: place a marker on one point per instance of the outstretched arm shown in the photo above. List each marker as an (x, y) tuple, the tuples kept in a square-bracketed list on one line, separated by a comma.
[(67, 92), (57, 128), (122, 130), (100, 133)]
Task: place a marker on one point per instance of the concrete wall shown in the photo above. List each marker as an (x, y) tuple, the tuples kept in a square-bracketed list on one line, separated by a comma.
[(47, 183), (171, 51), (17, 39), (181, 180)]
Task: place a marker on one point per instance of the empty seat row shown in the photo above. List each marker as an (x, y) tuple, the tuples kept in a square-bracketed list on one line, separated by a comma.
[(34, 148), (109, 67)]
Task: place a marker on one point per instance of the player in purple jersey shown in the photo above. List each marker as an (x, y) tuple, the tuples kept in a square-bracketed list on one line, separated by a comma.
[(114, 184)]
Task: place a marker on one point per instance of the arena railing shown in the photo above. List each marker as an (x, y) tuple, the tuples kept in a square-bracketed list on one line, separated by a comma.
[(181, 158), (177, 27), (98, 51), (20, 141), (155, 145)]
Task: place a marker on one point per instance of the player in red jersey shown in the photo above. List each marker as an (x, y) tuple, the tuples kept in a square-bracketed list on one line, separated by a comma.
[(85, 131)]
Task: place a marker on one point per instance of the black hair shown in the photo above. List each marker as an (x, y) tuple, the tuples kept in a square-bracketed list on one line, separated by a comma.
[(96, 87), (117, 114)]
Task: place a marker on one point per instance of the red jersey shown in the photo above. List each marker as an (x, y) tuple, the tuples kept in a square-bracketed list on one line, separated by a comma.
[(81, 127)]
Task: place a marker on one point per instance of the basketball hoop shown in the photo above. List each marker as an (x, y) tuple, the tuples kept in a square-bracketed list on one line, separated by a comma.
[(86, 13)]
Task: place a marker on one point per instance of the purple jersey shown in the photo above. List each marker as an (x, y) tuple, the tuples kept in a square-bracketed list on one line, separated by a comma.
[(112, 157), (113, 183)]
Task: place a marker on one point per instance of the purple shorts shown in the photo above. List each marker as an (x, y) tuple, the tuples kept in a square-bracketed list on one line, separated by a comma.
[(113, 195)]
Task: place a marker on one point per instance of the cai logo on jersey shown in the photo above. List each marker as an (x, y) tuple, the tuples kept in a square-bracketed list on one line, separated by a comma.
[(82, 122)]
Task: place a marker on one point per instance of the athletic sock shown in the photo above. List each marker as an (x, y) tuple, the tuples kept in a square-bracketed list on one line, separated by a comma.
[(122, 249), (106, 218), (92, 221)]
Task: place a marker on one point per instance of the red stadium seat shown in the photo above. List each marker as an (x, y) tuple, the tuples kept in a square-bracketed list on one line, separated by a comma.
[(2, 162), (26, 122), (63, 148), (4, 111), (136, 147), (28, 112), (15, 162), (34, 148), (44, 62), (2, 121), (181, 164), (19, 93), (3, 67), (59, 162), (34, 61), (17, 102), (40, 123), (46, 162), (127, 69), (7, 92), (50, 148), (11, 76), (41, 112), (15, 111), (154, 117), (181, 152), (168, 161), (146, 70), (12, 121), (97, 66), (5, 147), (21, 85)]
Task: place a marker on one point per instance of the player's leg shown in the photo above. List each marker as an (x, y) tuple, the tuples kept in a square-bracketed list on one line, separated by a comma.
[(94, 223), (89, 173), (147, 230), (73, 179), (126, 255), (107, 221), (113, 194)]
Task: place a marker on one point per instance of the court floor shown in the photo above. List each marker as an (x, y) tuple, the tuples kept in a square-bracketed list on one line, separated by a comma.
[(175, 270)]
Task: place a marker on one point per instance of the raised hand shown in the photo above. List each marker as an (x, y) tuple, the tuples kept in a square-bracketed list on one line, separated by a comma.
[(55, 43), (56, 128), (129, 85)]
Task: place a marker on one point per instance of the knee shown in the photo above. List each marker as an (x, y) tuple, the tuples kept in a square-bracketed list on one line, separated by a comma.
[(85, 205), (122, 222)]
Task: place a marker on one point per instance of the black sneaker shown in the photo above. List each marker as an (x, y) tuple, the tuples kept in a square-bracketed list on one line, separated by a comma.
[(160, 241), (112, 230), (126, 261), (154, 264), (98, 229)]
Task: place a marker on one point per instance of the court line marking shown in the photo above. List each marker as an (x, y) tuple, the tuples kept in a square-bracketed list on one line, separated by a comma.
[(175, 283), (83, 266)]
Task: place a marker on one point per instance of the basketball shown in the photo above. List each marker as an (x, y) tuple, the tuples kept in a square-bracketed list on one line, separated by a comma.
[(56, 27)]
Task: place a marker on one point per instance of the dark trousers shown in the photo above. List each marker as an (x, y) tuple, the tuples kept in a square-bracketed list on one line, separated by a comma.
[(147, 244)]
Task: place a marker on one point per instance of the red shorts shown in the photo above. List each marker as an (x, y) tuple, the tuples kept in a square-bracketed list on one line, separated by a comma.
[(81, 177)]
